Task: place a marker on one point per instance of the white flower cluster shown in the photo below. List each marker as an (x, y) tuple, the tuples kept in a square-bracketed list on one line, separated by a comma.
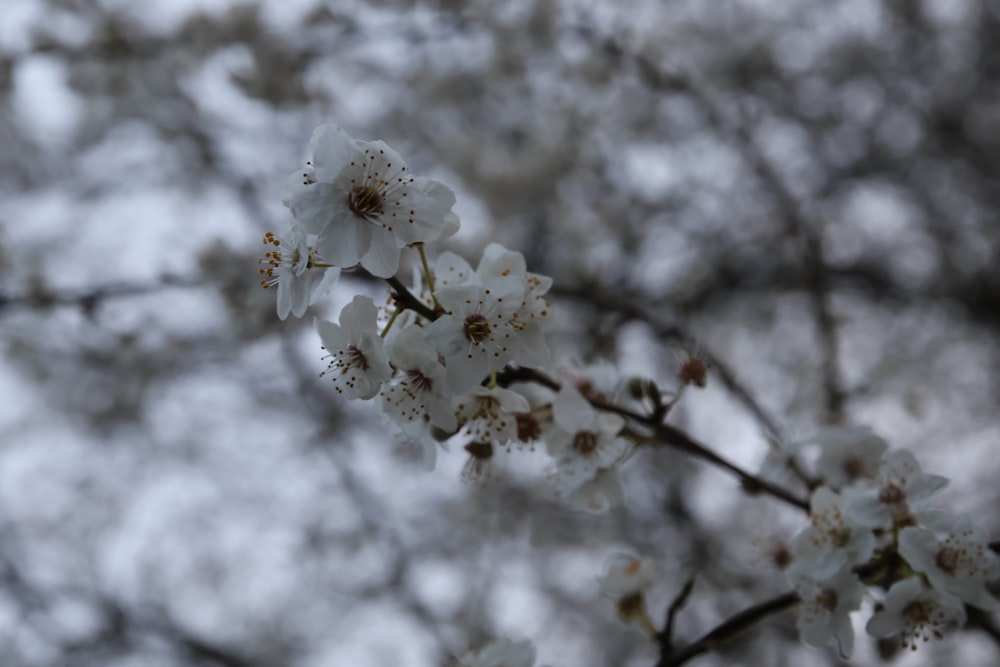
[(430, 360), (445, 357), (872, 524)]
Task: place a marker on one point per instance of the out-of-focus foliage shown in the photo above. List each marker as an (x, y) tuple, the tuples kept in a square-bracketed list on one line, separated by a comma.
[(810, 190)]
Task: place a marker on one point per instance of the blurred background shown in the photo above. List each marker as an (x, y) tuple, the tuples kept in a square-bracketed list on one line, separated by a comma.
[(808, 190)]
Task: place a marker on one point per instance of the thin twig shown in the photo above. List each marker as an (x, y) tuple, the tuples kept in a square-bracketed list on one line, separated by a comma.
[(666, 434)]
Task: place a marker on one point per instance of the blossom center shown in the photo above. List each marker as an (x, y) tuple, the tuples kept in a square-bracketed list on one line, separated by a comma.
[(948, 559), (355, 358), (853, 467), (419, 381), (827, 599), (585, 442), (528, 428), (477, 328), (366, 202), (891, 494)]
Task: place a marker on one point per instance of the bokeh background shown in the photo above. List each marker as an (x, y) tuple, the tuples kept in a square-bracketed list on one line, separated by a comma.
[(808, 190)]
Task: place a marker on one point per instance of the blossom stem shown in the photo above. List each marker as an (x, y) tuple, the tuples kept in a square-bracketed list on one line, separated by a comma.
[(428, 276), (406, 299), (726, 630), (388, 325)]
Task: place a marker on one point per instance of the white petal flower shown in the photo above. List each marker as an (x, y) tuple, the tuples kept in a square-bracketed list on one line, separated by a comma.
[(477, 333), (361, 201), (583, 441), (297, 271), (358, 361), (916, 612), (848, 454), (488, 415), (602, 493), (501, 653), (899, 489), (824, 609), (831, 542), (626, 575), (420, 393), (961, 564)]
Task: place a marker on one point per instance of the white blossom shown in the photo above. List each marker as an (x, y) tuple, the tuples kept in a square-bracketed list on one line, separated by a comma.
[(364, 205), (419, 393), (358, 362), (831, 542), (492, 316), (899, 490), (847, 454), (296, 270), (488, 414), (602, 493), (916, 612), (583, 441), (477, 332), (961, 564), (626, 575), (825, 606)]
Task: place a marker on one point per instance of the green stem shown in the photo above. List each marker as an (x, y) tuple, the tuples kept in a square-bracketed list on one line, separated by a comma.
[(428, 276), (392, 319)]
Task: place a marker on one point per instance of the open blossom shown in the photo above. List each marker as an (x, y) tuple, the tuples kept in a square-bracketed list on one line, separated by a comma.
[(961, 564), (626, 575), (492, 316), (915, 612), (583, 441), (497, 262), (296, 270), (825, 606), (363, 203), (899, 489), (489, 415), (848, 454), (419, 393), (831, 542), (358, 362), (602, 493)]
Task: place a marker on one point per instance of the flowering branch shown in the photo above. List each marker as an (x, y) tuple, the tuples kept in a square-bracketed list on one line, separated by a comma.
[(666, 434), (728, 629)]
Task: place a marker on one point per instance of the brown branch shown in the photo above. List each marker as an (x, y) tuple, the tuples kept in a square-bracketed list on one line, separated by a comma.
[(666, 434), (728, 629)]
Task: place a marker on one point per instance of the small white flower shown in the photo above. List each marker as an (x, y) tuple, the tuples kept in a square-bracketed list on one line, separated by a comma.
[(499, 262), (478, 331), (488, 415), (364, 205), (420, 391), (583, 441), (831, 542), (824, 609), (358, 362), (297, 271), (916, 612), (899, 489), (602, 493), (625, 575), (501, 653), (848, 454), (961, 564)]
